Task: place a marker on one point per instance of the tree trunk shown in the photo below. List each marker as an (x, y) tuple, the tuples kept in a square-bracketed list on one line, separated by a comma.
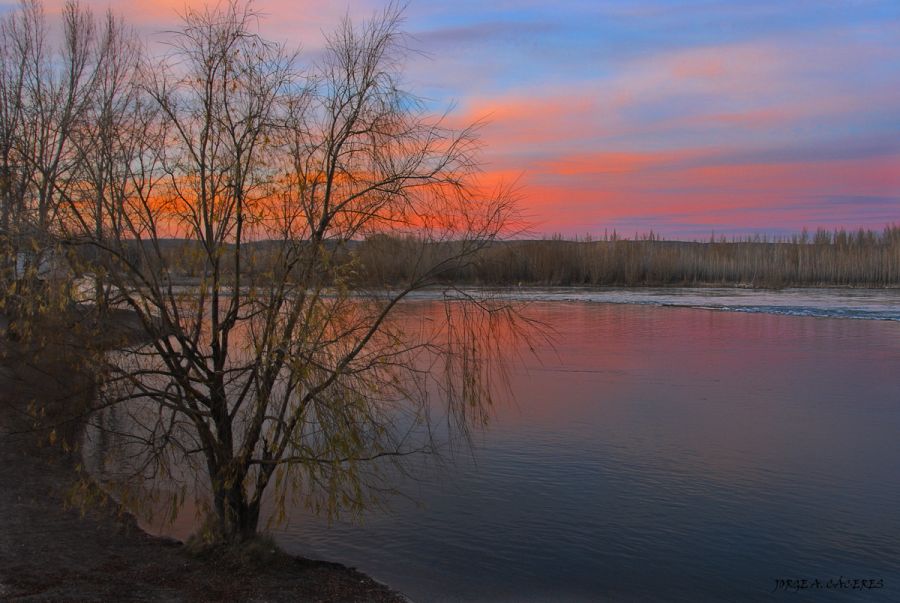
[(236, 519)]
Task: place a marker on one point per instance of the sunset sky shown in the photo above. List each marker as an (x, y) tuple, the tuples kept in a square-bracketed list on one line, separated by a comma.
[(681, 117)]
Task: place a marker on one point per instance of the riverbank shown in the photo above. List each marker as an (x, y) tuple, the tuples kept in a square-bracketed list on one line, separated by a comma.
[(51, 550)]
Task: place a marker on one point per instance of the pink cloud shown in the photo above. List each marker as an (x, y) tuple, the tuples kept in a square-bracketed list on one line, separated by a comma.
[(659, 135)]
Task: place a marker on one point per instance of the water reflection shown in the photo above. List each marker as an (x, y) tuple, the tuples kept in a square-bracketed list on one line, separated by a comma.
[(660, 454), (657, 454)]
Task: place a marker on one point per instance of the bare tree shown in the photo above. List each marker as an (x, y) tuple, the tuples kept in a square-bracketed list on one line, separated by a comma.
[(109, 138), (45, 91), (273, 365), (58, 88), (15, 53)]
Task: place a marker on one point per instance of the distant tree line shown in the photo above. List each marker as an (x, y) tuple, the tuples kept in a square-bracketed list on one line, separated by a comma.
[(862, 258)]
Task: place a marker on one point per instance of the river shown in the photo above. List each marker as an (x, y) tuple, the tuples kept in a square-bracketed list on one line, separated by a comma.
[(669, 445)]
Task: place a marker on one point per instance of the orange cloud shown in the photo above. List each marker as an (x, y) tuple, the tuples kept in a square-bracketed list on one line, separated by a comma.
[(658, 136), (612, 162)]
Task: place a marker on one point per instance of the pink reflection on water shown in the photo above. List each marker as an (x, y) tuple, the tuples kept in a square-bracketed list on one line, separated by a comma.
[(719, 391)]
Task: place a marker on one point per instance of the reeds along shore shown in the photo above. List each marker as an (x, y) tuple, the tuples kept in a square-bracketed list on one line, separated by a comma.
[(861, 258)]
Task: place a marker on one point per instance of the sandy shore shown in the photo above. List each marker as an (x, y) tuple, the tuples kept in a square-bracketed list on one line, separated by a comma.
[(50, 551)]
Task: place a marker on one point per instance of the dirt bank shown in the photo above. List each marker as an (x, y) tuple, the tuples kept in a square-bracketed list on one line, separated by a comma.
[(50, 551)]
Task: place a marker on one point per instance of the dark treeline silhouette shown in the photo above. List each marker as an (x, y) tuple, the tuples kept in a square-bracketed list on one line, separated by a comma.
[(862, 258)]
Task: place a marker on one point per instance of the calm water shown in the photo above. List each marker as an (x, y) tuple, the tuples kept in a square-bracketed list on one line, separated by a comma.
[(659, 454), (866, 304)]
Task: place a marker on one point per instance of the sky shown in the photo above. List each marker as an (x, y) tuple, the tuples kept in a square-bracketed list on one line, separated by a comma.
[(685, 118)]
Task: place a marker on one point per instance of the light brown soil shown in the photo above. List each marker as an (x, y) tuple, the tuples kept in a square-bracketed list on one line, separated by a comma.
[(52, 552)]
